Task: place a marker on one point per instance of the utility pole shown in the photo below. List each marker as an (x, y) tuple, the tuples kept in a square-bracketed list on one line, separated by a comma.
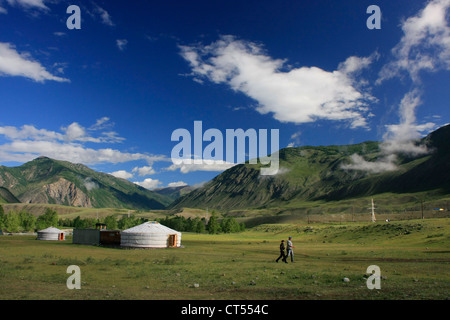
[(373, 212)]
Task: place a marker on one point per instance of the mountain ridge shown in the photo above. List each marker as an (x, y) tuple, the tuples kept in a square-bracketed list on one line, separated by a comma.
[(312, 173), (46, 180)]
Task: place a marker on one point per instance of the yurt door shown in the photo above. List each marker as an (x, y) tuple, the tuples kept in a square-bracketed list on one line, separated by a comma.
[(61, 236), (172, 240)]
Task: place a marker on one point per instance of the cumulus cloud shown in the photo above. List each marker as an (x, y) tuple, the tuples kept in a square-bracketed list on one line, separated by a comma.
[(355, 65), (149, 183), (76, 132), (177, 184), (144, 171), (29, 132), (206, 165), (26, 150), (122, 174), (28, 142), (17, 64), (425, 44), (296, 95)]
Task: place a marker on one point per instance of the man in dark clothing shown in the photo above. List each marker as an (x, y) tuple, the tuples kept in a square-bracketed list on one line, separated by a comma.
[(282, 253)]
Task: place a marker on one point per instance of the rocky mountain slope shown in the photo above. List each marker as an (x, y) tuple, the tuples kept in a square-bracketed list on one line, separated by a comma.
[(45, 180)]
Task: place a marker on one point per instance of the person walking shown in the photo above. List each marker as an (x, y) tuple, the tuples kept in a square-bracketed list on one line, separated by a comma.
[(290, 249), (282, 253)]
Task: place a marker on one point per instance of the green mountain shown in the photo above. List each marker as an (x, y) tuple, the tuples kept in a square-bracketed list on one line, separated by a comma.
[(7, 197), (45, 180), (316, 173)]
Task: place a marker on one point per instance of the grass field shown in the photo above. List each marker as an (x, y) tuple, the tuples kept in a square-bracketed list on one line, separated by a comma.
[(414, 258)]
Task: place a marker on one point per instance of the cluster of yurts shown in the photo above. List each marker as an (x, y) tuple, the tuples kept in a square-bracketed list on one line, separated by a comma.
[(147, 235)]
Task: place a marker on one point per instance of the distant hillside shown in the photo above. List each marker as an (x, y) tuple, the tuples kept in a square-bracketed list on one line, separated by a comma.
[(45, 180), (315, 173), (174, 192), (7, 197)]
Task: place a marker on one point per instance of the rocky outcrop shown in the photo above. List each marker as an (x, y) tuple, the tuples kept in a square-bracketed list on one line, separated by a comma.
[(60, 192)]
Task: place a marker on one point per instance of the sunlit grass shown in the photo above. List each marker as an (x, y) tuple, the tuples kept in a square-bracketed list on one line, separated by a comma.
[(414, 258)]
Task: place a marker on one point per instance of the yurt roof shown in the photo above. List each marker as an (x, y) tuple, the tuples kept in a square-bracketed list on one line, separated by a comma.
[(150, 227), (51, 230)]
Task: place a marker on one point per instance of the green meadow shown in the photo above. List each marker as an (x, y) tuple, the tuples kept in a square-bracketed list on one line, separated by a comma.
[(413, 256)]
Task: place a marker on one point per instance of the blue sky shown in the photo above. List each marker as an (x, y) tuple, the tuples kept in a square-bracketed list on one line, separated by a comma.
[(110, 94)]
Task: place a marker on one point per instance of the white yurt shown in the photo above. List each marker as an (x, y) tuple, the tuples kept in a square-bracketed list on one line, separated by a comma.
[(51, 234), (150, 234)]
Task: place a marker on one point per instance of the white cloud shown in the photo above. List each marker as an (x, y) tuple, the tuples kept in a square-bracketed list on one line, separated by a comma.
[(400, 138), (29, 4), (177, 184), (102, 123), (207, 165), (26, 150), (295, 139), (90, 184), (144, 171), (22, 65), (149, 183), (76, 132), (27, 143), (381, 165), (298, 95), (199, 185), (29, 132), (3, 10), (121, 44), (59, 67), (425, 45), (122, 174), (354, 65), (104, 15)]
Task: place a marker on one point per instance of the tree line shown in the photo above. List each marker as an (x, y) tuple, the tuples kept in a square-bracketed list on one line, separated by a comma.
[(200, 225), (23, 221)]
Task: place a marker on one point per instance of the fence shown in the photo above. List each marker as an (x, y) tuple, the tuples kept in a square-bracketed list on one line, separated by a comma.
[(367, 217)]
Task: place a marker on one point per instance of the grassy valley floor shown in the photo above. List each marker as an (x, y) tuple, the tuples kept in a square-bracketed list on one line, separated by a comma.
[(413, 256)]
